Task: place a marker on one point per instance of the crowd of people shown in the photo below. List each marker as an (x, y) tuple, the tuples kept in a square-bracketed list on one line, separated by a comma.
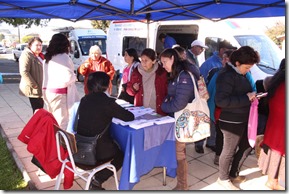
[(167, 87)]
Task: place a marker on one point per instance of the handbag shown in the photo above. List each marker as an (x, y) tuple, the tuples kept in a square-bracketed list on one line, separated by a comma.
[(193, 122), (253, 122), (37, 163), (125, 96), (202, 87), (86, 147)]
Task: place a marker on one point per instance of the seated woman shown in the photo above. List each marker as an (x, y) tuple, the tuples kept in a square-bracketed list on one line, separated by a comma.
[(96, 110)]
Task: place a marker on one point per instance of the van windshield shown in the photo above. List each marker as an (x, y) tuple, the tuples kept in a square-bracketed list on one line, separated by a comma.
[(85, 45), (23, 46), (270, 54)]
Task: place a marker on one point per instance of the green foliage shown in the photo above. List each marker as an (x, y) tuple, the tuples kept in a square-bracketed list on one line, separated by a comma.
[(25, 39), (11, 178), (2, 36), (275, 31), (25, 21), (100, 24)]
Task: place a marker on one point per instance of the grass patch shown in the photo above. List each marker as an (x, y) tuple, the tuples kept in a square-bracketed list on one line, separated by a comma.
[(11, 178)]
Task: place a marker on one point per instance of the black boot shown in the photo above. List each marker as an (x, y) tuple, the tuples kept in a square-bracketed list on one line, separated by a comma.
[(95, 184)]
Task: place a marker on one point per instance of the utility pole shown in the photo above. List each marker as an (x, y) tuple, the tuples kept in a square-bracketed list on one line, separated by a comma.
[(18, 34)]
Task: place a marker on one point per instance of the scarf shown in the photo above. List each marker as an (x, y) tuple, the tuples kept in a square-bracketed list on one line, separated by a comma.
[(149, 89)]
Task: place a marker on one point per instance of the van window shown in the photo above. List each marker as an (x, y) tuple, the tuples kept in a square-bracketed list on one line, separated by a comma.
[(85, 45), (44, 47), (23, 47), (139, 44), (269, 53), (184, 40), (213, 45), (73, 46)]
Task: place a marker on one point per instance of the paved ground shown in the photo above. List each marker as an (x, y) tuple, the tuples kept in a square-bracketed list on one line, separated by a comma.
[(15, 111)]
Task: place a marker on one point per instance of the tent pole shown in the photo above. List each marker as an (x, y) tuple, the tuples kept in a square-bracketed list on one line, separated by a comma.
[(148, 17), (148, 34)]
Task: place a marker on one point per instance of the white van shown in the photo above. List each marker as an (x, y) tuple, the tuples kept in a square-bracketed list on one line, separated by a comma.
[(81, 40), (131, 34)]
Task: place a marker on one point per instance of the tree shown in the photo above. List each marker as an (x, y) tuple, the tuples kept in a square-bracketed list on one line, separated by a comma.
[(2, 36), (275, 31), (25, 39), (100, 24), (24, 21)]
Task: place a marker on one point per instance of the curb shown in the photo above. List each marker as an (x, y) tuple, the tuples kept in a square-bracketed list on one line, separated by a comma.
[(17, 161)]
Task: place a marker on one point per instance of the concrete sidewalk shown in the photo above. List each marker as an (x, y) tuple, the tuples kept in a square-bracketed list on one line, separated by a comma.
[(15, 112)]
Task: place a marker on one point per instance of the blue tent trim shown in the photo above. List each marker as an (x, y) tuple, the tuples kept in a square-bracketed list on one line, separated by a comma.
[(149, 10)]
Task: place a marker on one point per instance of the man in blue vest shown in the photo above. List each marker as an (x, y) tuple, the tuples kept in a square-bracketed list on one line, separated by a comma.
[(167, 40), (216, 59)]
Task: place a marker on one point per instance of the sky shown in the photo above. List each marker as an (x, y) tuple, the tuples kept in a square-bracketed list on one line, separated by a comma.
[(61, 23)]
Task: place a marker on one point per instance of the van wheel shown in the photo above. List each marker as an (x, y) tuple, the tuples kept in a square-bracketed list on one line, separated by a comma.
[(80, 77)]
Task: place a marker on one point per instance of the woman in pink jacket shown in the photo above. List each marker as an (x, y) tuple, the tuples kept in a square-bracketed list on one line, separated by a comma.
[(272, 158), (148, 83)]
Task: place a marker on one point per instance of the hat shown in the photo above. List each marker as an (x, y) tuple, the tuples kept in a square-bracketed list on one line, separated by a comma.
[(226, 44), (198, 43)]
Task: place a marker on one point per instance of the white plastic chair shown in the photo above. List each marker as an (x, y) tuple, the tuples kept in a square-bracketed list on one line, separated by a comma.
[(67, 141)]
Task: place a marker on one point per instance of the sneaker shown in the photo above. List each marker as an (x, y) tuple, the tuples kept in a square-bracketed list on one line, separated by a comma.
[(216, 160), (227, 184), (238, 179)]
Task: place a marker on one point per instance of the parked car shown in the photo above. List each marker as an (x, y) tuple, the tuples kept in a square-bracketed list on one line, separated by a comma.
[(2, 49), (18, 50), (20, 47), (44, 47)]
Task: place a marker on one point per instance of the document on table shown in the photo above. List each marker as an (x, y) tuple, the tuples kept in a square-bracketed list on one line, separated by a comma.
[(140, 110), (144, 117), (141, 124), (123, 103), (164, 120)]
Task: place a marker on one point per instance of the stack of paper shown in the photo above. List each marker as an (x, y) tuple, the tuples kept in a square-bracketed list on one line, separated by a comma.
[(164, 120), (123, 103), (141, 124), (143, 117), (121, 122), (140, 110), (118, 121)]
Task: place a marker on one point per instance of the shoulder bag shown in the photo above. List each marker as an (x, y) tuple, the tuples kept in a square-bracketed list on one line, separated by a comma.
[(202, 88), (253, 122), (193, 122), (86, 147)]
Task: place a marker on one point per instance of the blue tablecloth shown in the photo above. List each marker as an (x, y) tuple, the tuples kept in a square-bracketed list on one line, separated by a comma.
[(139, 161)]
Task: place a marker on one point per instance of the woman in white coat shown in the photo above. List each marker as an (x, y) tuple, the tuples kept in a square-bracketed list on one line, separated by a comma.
[(59, 89)]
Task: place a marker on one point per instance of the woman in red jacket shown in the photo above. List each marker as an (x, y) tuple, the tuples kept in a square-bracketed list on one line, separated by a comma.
[(272, 156), (148, 83), (94, 63)]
